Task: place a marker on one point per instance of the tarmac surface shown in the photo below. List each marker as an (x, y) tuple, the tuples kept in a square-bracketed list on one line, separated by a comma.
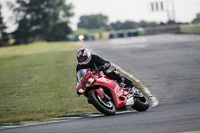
[(168, 65)]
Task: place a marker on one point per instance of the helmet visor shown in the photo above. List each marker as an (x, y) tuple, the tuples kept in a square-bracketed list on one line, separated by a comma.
[(82, 59)]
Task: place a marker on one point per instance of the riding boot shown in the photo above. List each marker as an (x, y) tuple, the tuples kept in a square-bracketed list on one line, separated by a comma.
[(119, 78), (127, 81)]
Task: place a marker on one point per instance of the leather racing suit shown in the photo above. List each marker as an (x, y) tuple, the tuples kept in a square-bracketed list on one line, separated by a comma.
[(100, 64)]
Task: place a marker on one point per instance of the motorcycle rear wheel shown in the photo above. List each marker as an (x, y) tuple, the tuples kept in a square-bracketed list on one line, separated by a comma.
[(141, 103), (107, 108)]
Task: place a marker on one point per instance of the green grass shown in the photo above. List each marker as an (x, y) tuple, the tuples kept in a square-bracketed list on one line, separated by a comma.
[(36, 47), (190, 29), (39, 85)]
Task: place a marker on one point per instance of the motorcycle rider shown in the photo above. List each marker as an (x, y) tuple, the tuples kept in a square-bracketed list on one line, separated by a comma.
[(96, 63)]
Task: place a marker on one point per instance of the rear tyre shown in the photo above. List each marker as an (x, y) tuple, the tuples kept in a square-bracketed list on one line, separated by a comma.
[(106, 107), (142, 102)]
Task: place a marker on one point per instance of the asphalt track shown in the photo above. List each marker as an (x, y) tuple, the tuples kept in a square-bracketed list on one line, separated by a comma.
[(169, 65)]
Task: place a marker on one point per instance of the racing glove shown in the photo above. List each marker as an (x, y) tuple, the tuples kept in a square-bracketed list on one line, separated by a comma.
[(104, 67)]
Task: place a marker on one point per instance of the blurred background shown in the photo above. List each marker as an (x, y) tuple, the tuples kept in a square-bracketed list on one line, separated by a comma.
[(25, 21), (38, 47)]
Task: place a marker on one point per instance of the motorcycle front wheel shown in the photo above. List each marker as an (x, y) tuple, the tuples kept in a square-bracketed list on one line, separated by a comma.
[(106, 107)]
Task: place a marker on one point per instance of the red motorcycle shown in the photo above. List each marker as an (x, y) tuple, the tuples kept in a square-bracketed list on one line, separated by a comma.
[(107, 95)]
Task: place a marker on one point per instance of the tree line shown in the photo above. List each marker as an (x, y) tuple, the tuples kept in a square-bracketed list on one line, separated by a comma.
[(38, 20), (99, 21), (3, 35)]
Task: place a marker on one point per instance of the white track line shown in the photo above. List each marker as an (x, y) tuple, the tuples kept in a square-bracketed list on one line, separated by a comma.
[(190, 132)]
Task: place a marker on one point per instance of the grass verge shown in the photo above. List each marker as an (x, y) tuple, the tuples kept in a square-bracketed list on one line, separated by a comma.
[(36, 48), (39, 85)]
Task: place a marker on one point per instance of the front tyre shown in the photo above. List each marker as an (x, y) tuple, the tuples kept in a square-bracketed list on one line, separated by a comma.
[(106, 107), (141, 102)]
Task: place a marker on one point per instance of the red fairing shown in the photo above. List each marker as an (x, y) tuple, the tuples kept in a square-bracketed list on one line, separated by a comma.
[(85, 79), (79, 86), (99, 92), (119, 94)]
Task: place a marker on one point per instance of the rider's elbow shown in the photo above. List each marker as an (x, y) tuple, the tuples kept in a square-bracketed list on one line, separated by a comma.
[(107, 65)]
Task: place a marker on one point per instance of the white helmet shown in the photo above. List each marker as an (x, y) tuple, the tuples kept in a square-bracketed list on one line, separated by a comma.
[(83, 56)]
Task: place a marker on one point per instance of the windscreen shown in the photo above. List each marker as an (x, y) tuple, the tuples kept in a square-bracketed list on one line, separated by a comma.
[(81, 74)]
